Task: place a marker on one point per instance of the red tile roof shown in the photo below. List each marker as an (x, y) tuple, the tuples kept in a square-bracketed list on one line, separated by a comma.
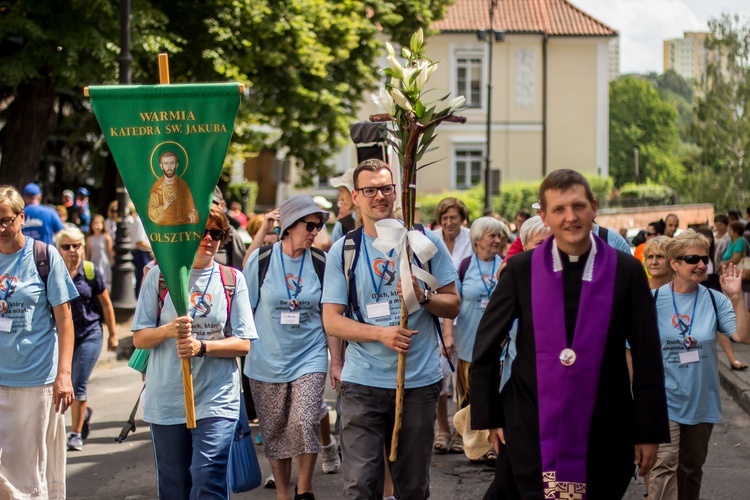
[(553, 17)]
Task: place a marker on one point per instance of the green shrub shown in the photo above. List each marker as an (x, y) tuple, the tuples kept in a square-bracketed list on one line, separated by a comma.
[(644, 195)]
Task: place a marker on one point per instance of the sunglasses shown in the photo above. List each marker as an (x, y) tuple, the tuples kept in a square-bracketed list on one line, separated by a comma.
[(370, 192), (651, 234), (310, 225), (215, 234), (69, 246), (693, 259)]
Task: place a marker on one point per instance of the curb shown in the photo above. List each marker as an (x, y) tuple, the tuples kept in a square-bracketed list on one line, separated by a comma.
[(734, 385)]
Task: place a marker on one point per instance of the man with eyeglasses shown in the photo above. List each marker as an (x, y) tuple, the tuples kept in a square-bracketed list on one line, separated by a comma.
[(375, 341), (42, 222)]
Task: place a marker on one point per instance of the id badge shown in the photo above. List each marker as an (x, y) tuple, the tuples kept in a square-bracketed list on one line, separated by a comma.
[(5, 324), (483, 304), (378, 310), (290, 318), (689, 357)]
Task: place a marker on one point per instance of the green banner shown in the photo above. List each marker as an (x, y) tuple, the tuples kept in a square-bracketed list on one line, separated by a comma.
[(169, 143)]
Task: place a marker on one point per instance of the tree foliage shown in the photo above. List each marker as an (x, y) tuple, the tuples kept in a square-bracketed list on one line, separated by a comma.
[(640, 118), (307, 65), (722, 125)]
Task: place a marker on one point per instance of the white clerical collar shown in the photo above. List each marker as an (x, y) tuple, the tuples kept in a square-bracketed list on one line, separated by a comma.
[(588, 270)]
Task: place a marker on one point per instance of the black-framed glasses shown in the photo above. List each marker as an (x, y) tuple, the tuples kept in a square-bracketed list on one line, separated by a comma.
[(651, 234), (70, 246), (215, 234), (7, 221), (693, 259), (370, 192), (310, 225)]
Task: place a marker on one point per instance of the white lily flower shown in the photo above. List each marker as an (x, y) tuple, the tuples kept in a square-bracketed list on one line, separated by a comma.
[(385, 101), (426, 69), (417, 40), (457, 102), (390, 50), (408, 85), (406, 53), (401, 99), (396, 66)]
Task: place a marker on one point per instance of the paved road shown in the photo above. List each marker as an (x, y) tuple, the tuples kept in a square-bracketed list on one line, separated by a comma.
[(105, 469)]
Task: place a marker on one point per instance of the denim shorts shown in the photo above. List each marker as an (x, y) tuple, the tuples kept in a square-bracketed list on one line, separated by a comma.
[(85, 354)]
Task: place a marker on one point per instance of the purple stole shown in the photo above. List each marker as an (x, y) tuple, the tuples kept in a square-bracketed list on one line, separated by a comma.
[(567, 393)]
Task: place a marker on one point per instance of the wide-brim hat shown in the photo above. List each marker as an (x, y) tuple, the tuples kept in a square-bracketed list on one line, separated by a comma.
[(297, 207), (476, 443), (346, 179)]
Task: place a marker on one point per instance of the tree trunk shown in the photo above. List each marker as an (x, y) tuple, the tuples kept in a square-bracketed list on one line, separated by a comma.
[(31, 119)]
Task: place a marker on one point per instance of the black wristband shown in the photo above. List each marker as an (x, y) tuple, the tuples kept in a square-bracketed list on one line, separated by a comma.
[(202, 350)]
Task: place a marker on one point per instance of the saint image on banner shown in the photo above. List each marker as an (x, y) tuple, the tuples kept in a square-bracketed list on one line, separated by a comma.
[(170, 202)]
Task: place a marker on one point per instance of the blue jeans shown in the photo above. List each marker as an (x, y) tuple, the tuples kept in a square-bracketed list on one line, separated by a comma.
[(86, 351), (192, 463), (367, 417)]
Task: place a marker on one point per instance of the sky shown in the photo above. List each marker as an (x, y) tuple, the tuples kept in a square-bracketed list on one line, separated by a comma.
[(644, 24)]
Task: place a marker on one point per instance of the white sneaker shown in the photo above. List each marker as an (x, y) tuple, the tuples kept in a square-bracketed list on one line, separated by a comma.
[(75, 443), (331, 461)]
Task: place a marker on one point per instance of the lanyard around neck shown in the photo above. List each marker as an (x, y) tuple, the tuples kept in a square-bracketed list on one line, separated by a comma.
[(493, 282), (9, 280), (684, 329), (297, 286), (372, 275), (203, 295)]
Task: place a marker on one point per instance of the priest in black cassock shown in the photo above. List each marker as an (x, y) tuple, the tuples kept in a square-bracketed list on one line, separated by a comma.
[(566, 424)]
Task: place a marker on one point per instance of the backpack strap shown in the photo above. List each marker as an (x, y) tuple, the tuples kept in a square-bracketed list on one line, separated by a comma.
[(713, 303), (319, 262), (161, 296), (130, 424), (41, 259), (89, 270), (602, 233), (264, 260), (350, 255), (463, 267), (229, 282)]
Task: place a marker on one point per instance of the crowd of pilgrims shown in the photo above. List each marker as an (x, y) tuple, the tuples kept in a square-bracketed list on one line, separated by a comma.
[(273, 322)]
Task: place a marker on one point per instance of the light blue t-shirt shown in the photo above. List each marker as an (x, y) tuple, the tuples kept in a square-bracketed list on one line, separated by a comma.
[(41, 222), (286, 352), (693, 394), (29, 352), (216, 381), (372, 363), (614, 239), (475, 291)]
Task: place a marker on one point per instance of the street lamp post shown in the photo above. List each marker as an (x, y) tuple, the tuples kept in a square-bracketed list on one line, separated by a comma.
[(123, 279), (488, 188)]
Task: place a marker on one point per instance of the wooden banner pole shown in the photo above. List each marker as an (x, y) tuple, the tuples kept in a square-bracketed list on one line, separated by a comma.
[(187, 375)]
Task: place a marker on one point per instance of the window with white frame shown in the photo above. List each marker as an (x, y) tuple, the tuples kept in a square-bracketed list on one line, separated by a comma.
[(469, 73), (468, 165)]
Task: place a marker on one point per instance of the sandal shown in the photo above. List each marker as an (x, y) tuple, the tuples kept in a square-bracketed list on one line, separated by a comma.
[(489, 459), (457, 446), (442, 442), (738, 365)]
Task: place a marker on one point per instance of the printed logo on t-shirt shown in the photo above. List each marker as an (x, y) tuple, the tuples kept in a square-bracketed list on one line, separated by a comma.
[(385, 269), (488, 280), (8, 282), (203, 307), (294, 284), (681, 322)]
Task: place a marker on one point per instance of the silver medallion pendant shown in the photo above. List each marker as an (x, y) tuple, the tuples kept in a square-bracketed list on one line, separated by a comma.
[(292, 304), (567, 357)]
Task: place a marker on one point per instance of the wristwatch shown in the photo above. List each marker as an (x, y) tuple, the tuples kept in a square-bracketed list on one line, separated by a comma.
[(202, 350), (427, 297)]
